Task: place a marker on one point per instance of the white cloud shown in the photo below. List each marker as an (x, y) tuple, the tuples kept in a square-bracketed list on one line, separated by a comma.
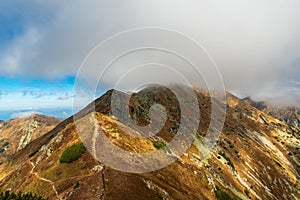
[(20, 52), (14, 100), (64, 96), (255, 43), (23, 114)]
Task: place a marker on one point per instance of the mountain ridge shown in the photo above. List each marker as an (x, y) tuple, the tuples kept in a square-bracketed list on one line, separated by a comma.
[(17, 133), (288, 114), (269, 171)]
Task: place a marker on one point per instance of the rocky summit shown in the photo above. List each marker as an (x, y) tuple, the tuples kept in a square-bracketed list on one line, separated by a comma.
[(256, 156), (15, 134)]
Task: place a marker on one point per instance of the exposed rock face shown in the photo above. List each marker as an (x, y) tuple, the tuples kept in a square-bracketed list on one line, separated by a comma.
[(257, 156), (290, 115), (17, 133)]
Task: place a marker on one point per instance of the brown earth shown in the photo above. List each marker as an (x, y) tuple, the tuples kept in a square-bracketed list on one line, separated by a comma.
[(257, 156), (15, 134)]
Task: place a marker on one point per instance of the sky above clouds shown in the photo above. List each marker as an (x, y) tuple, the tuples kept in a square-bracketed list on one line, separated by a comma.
[(255, 43)]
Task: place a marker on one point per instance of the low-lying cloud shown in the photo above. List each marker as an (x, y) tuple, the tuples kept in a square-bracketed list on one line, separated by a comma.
[(256, 44), (26, 114)]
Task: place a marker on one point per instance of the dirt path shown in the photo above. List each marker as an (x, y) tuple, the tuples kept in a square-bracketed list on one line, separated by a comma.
[(43, 179), (103, 185), (96, 132)]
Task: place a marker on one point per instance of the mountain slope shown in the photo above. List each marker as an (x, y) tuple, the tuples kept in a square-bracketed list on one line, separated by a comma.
[(288, 114), (257, 156), (17, 133)]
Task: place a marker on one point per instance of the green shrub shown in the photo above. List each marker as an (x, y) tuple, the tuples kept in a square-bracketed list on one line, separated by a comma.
[(158, 144), (222, 195), (72, 153), (5, 144), (76, 185), (28, 196), (229, 162), (157, 198), (246, 192)]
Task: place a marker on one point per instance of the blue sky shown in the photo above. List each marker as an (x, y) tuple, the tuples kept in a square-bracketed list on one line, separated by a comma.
[(50, 97), (22, 94), (255, 44)]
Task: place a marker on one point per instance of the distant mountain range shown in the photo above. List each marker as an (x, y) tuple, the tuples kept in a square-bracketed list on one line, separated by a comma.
[(288, 114), (257, 156), (61, 113)]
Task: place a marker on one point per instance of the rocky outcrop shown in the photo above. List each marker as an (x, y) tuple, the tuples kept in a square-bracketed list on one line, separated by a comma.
[(256, 157), (17, 133)]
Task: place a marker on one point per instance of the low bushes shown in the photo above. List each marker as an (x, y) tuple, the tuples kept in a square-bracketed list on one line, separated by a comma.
[(28, 196), (222, 195), (229, 162), (158, 144), (72, 153)]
